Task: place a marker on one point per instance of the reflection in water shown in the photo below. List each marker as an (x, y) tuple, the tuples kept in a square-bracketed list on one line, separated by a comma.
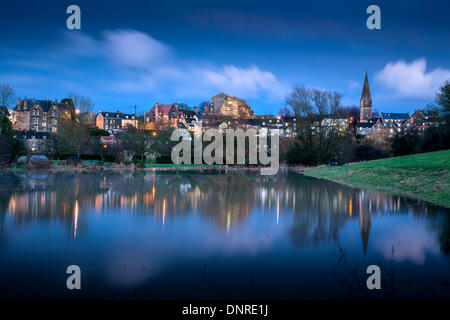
[(319, 209), (245, 207)]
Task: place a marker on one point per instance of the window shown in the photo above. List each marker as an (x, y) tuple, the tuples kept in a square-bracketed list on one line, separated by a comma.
[(34, 112)]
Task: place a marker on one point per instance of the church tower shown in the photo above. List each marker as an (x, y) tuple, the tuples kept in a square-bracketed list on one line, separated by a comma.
[(365, 102)]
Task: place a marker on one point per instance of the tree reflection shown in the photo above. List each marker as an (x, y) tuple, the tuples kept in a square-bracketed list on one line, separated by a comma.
[(318, 209)]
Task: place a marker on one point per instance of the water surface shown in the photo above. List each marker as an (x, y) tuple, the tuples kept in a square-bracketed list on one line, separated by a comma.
[(215, 236)]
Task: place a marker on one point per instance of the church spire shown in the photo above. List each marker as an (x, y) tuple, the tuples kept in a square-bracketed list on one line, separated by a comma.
[(366, 90), (365, 106)]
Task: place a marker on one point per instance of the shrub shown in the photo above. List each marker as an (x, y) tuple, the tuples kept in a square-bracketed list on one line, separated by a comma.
[(404, 144)]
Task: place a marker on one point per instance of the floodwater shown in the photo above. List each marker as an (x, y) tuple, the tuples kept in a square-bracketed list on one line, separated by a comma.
[(238, 235)]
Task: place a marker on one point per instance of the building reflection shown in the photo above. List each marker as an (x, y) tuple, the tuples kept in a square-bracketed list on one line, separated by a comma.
[(317, 210)]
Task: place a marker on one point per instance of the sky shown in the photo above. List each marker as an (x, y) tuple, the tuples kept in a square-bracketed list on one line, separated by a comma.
[(135, 53)]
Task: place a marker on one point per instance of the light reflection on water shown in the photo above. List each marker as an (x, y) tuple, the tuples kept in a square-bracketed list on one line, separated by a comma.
[(235, 235)]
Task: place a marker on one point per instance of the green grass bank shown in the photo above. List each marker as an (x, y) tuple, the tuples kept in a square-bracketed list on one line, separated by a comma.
[(425, 176)]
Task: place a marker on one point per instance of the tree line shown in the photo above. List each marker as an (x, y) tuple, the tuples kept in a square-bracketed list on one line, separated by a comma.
[(317, 143)]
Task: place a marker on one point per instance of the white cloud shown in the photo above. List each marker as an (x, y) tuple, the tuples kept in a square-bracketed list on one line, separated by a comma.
[(130, 48), (151, 66), (411, 80), (132, 62), (414, 249), (248, 82)]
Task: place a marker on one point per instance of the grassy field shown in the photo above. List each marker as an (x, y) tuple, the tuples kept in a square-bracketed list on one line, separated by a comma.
[(425, 176)]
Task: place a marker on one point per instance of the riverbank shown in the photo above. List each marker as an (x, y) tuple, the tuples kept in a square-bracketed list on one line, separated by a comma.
[(424, 176), (86, 166)]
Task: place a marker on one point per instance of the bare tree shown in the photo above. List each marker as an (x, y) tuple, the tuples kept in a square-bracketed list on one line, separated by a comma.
[(305, 102), (82, 103), (318, 138), (6, 94), (320, 99), (285, 111), (334, 99), (300, 101)]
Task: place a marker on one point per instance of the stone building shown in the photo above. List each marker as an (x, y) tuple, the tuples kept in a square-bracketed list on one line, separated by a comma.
[(365, 102), (422, 120), (164, 115), (114, 121), (39, 115), (227, 106)]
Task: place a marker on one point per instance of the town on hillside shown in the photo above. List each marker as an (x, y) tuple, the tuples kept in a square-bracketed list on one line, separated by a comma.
[(37, 121)]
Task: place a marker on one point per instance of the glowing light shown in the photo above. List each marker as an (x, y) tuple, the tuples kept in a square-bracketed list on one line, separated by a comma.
[(278, 207), (350, 206), (164, 211), (75, 222)]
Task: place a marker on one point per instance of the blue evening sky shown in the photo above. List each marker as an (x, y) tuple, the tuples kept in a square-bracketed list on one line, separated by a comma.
[(131, 53)]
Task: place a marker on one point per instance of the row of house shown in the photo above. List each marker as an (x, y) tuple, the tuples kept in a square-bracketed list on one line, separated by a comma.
[(222, 112), (115, 121), (391, 123), (38, 115)]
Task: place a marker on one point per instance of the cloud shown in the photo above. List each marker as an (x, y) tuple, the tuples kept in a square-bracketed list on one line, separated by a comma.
[(128, 62), (415, 249), (149, 66), (130, 48), (248, 82), (77, 44), (411, 80)]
